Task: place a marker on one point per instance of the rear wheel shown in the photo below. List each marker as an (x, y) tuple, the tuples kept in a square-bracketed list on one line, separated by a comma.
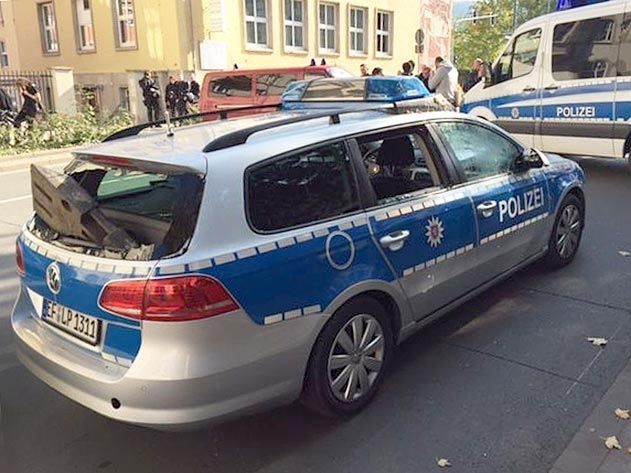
[(566, 233), (349, 359)]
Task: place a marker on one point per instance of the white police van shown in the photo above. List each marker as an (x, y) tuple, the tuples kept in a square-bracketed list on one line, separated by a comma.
[(563, 84)]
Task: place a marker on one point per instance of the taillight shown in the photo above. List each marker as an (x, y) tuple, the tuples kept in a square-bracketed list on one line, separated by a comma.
[(19, 259), (168, 299)]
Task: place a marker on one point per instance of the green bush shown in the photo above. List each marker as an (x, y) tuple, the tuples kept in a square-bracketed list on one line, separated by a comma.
[(59, 131)]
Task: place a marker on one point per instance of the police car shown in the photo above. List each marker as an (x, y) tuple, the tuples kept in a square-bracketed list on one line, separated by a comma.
[(177, 279)]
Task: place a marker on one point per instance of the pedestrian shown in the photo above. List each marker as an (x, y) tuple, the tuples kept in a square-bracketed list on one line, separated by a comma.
[(412, 66), (323, 62), (194, 89), (182, 91), (150, 96), (170, 96), (424, 76), (31, 102), (363, 69), (407, 69), (7, 109), (377, 71), (475, 76), (445, 80)]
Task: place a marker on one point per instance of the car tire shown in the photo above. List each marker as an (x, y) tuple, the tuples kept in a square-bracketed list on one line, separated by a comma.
[(566, 233), (344, 375)]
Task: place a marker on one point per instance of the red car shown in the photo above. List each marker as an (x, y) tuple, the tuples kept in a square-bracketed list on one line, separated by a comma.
[(239, 88)]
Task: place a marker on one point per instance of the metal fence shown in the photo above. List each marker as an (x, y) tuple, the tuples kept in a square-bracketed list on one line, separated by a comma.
[(42, 81)]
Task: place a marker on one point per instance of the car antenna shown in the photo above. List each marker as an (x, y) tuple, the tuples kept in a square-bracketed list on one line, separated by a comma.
[(167, 118)]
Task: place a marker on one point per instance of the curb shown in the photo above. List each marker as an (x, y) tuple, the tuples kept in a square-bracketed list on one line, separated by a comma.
[(23, 162)]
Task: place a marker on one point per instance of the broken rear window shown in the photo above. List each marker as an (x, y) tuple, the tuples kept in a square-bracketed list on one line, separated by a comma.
[(116, 212)]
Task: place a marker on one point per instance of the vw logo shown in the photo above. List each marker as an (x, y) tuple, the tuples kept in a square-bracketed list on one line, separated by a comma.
[(53, 278)]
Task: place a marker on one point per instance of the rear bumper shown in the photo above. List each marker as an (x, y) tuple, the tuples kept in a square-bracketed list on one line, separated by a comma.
[(185, 374)]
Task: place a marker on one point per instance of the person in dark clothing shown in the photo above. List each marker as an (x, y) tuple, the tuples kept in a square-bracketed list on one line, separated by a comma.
[(6, 102), (30, 104), (475, 76), (426, 73), (150, 96), (377, 71), (171, 95), (182, 90), (407, 69), (194, 89)]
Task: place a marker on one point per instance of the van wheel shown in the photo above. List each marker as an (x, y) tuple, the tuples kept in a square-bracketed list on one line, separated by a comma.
[(566, 233), (349, 359)]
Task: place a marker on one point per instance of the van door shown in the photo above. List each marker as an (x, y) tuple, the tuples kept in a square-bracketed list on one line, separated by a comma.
[(515, 82), (579, 82)]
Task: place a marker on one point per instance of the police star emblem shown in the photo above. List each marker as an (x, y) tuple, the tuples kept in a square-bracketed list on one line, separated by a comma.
[(435, 232)]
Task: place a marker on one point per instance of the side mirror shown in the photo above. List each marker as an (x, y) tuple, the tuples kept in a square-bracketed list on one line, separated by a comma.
[(529, 159)]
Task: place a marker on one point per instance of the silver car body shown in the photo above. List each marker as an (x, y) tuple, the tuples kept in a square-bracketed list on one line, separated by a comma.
[(287, 283)]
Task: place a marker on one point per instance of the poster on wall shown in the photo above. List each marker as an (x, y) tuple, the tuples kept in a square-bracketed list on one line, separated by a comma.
[(213, 54)]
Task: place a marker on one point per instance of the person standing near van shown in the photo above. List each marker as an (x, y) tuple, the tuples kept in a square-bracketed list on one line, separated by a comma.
[(170, 96), (151, 96), (31, 101), (363, 69), (475, 76), (445, 80)]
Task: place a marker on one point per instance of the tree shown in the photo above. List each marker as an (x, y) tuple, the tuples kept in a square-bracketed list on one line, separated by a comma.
[(487, 38)]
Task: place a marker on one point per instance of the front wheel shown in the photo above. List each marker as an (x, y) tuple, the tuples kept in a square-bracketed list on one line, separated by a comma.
[(349, 359), (566, 233)]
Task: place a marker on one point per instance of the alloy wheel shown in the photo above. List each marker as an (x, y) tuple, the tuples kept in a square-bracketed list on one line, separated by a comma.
[(356, 358), (568, 231)]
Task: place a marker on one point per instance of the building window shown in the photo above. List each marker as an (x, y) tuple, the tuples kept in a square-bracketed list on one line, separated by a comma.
[(256, 23), (357, 30), (48, 27), (125, 24), (85, 28), (123, 98), (384, 33), (328, 27), (294, 24), (4, 55)]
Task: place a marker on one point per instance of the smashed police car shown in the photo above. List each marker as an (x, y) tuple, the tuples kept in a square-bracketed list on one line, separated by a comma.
[(176, 279)]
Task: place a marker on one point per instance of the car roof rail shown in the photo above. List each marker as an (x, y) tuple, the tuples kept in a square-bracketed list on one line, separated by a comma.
[(240, 137), (223, 115)]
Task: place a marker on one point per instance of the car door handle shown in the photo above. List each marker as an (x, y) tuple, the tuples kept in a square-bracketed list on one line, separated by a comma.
[(529, 89), (395, 241), (551, 87), (487, 208)]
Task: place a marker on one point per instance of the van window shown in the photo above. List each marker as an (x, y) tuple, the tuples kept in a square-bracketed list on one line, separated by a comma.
[(519, 57), (273, 84), (624, 57), (585, 49), (301, 189), (231, 86)]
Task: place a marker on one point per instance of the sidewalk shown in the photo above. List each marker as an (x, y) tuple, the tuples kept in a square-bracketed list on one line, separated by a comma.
[(586, 452), (47, 157)]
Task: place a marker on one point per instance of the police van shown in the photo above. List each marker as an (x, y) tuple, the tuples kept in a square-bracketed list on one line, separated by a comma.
[(563, 83)]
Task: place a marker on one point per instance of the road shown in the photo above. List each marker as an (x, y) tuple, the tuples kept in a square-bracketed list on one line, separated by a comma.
[(501, 384)]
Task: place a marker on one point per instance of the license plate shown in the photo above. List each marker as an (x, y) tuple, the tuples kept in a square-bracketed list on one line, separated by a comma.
[(81, 326)]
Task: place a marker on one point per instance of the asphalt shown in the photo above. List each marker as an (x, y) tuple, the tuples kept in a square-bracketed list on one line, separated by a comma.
[(504, 383)]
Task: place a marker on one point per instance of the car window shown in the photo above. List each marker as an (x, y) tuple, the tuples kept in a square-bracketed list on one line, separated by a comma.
[(273, 84), (399, 164), (519, 57), (479, 151), (301, 189), (231, 86), (585, 49)]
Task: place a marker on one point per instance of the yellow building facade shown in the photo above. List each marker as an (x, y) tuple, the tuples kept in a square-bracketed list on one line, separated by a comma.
[(108, 43)]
